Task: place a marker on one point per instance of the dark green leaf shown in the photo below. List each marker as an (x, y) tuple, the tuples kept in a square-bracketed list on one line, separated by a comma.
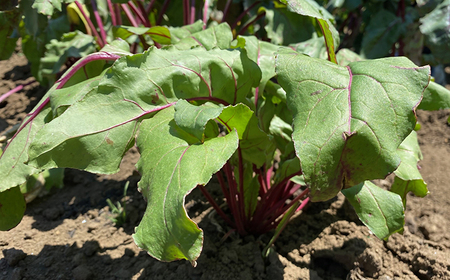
[(8, 21), (193, 119), (380, 210), (349, 121), (383, 31), (435, 97), (170, 169), (12, 208), (408, 177)]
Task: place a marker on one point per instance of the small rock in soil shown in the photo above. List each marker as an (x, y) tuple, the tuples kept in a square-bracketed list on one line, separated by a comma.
[(13, 256), (90, 248), (82, 272), (52, 213)]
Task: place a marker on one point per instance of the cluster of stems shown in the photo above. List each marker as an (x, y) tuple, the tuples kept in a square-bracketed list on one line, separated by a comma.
[(274, 199)]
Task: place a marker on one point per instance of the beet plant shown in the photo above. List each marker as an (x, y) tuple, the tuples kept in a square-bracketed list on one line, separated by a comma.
[(279, 129)]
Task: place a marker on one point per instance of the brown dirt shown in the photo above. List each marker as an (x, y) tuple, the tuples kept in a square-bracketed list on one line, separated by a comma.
[(68, 234)]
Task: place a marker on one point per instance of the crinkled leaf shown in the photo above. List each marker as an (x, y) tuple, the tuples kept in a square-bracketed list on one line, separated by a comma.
[(74, 44), (380, 210), (47, 7), (349, 121), (435, 97), (256, 146), (435, 26), (159, 34), (312, 9), (14, 171), (263, 53), (346, 56), (193, 119), (91, 135), (12, 208), (408, 177), (287, 169), (178, 33), (219, 36), (314, 47), (284, 27), (381, 33), (170, 169)]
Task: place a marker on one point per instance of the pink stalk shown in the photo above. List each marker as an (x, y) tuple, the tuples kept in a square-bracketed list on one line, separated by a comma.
[(99, 21), (81, 63), (144, 12), (138, 13), (14, 90), (91, 25), (112, 12), (129, 15), (186, 10), (205, 13), (192, 12), (118, 15)]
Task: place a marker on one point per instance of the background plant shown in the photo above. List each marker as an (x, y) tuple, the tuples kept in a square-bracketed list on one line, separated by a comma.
[(208, 104)]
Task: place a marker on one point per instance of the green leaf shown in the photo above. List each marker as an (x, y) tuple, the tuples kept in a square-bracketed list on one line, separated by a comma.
[(219, 36), (170, 169), (435, 97), (314, 47), (383, 30), (349, 121), (380, 210), (435, 27), (159, 34), (74, 44), (12, 208), (193, 119), (346, 56), (408, 177), (92, 136), (178, 33), (47, 7), (284, 27), (312, 9), (12, 167), (256, 146)]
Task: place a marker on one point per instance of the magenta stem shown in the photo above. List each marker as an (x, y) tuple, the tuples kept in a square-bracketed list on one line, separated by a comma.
[(225, 10), (216, 206), (112, 12), (91, 25), (14, 90), (138, 13), (99, 21), (192, 12), (163, 10), (205, 14), (239, 18)]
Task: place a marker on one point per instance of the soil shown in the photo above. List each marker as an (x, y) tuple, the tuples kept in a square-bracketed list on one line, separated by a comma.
[(68, 233)]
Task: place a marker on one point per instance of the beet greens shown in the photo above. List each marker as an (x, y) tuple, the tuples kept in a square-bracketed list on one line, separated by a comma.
[(279, 129)]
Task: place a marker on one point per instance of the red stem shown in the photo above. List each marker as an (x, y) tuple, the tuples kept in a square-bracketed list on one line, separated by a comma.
[(163, 10), (186, 10), (99, 21), (144, 13), (241, 185), (225, 10), (14, 90), (205, 13), (112, 12), (192, 12), (223, 185), (149, 7), (91, 25), (245, 12), (138, 13), (233, 205), (251, 22), (118, 15), (216, 206)]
